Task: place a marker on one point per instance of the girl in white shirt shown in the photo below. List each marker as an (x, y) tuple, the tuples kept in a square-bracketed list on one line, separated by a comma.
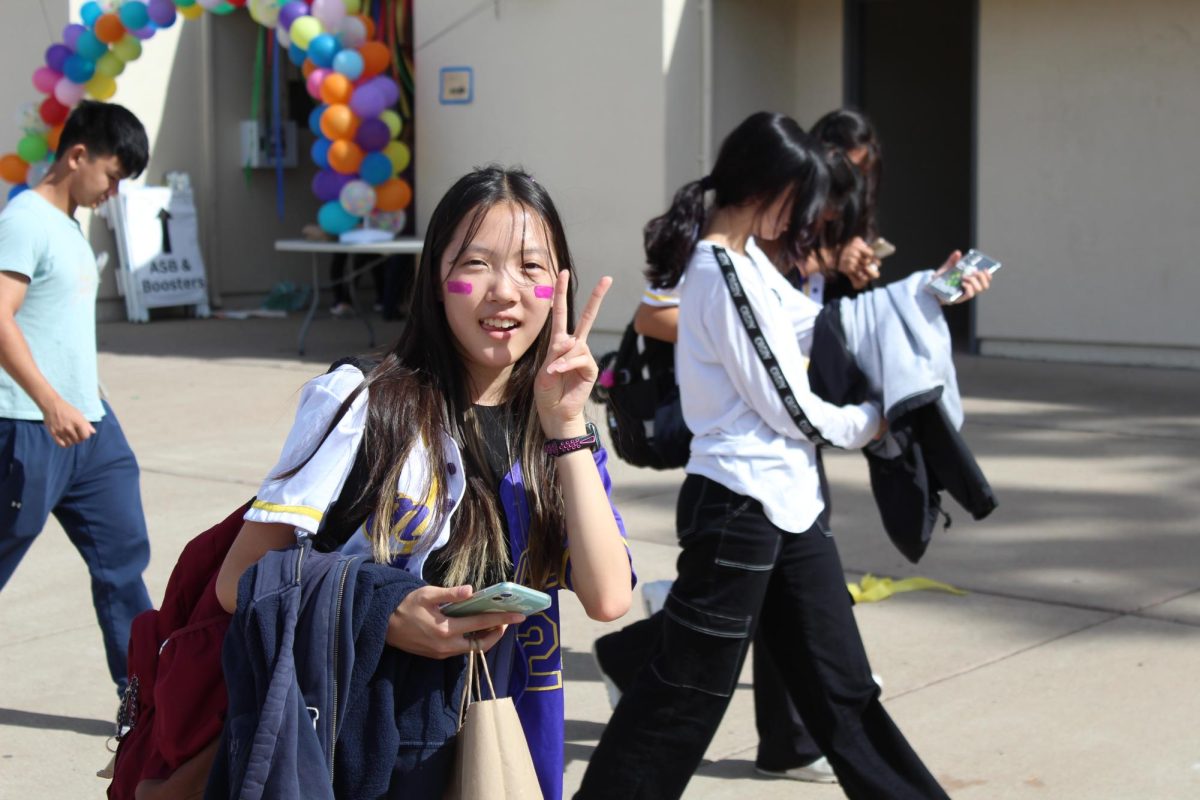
[(479, 464), (754, 551)]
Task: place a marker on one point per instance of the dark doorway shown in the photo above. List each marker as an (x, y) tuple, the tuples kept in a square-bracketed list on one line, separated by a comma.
[(910, 66)]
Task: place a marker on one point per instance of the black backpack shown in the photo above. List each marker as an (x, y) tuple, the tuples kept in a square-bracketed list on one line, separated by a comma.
[(641, 400)]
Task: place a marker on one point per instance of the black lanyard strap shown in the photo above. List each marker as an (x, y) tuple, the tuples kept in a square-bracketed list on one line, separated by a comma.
[(754, 331)]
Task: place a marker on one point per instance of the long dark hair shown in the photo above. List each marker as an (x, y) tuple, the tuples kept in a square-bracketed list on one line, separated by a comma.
[(420, 391), (844, 130), (766, 156), (846, 214)]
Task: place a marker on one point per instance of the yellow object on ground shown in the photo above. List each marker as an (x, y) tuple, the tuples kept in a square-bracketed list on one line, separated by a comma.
[(872, 589)]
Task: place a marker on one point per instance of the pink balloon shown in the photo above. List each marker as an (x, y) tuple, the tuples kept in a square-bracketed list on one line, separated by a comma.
[(44, 79), (68, 92), (315, 79)]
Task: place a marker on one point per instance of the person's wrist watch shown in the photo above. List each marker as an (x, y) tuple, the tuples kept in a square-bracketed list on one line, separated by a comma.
[(560, 447)]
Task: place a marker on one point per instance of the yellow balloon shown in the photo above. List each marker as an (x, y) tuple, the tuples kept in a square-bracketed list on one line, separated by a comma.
[(192, 12), (393, 121), (110, 64), (129, 48), (352, 6), (399, 154), (304, 30), (101, 87)]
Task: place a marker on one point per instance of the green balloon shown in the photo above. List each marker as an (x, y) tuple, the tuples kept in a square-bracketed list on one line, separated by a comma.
[(128, 49), (110, 65), (223, 9), (32, 148)]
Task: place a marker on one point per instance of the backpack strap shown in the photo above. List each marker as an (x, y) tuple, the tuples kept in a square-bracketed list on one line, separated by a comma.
[(765, 354), (344, 516)]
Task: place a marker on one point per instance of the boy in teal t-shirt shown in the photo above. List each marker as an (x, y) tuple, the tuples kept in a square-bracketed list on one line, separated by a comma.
[(62, 450)]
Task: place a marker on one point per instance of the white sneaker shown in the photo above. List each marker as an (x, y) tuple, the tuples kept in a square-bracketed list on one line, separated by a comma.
[(614, 694), (654, 596), (818, 771)]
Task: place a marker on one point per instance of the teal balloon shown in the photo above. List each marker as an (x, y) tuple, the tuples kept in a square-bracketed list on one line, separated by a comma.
[(90, 12), (79, 69), (348, 62), (322, 49), (334, 219), (376, 168), (134, 15), (89, 46)]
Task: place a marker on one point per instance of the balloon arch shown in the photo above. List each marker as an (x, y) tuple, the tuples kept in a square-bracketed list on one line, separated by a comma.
[(351, 58)]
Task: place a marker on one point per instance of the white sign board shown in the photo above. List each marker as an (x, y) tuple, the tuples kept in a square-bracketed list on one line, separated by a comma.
[(156, 233)]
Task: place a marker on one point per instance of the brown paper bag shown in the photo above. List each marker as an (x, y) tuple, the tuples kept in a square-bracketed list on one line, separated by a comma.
[(492, 760)]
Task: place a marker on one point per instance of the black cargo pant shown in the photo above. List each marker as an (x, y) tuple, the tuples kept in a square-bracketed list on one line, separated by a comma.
[(737, 572)]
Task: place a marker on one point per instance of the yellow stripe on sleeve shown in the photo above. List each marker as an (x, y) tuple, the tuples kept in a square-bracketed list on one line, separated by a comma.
[(304, 511)]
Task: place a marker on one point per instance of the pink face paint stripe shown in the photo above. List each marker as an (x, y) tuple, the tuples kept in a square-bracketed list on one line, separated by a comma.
[(458, 287), (543, 292)]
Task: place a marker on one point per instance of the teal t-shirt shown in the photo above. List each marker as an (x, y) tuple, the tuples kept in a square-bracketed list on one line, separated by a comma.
[(58, 316)]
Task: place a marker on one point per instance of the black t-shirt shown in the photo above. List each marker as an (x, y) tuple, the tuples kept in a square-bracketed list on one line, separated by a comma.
[(500, 449)]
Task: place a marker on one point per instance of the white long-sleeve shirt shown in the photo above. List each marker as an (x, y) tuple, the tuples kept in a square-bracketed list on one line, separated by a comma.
[(744, 437)]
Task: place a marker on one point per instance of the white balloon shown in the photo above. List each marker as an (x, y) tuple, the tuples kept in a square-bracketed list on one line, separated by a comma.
[(330, 12), (357, 197), (285, 40), (29, 118), (353, 32)]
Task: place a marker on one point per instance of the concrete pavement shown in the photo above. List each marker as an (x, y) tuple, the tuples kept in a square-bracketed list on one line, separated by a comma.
[(1068, 671)]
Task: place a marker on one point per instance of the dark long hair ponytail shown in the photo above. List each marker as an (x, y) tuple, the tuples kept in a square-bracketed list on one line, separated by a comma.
[(766, 156)]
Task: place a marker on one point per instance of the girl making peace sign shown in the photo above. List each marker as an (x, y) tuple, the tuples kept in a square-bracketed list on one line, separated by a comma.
[(479, 465)]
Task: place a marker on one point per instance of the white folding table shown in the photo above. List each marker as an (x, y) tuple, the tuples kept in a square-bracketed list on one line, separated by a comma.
[(380, 251)]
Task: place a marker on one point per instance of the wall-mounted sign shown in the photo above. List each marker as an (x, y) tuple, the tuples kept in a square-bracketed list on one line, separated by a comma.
[(456, 86)]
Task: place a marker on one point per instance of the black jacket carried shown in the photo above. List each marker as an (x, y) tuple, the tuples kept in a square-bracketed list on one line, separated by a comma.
[(891, 346)]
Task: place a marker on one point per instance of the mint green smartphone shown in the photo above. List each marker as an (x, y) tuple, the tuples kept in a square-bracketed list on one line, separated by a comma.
[(505, 597)]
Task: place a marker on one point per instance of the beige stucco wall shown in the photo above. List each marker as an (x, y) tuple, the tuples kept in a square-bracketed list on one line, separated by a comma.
[(776, 55), (1089, 114), (573, 91)]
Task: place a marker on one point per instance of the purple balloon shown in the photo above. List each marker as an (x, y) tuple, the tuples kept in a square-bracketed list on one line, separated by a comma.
[(71, 35), (327, 184), (162, 12), (290, 12), (373, 135), (367, 101), (146, 32), (57, 55), (388, 88)]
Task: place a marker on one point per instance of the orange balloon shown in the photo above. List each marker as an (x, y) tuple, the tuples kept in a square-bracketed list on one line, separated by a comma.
[(336, 88), (369, 24), (109, 29), (52, 137), (339, 122), (13, 168), (345, 157), (307, 67), (376, 57), (393, 195)]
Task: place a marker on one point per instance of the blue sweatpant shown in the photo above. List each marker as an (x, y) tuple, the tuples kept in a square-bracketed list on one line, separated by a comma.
[(92, 490)]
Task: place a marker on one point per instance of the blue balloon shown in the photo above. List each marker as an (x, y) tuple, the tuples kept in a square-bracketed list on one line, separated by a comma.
[(314, 119), (322, 49), (349, 63), (79, 69), (89, 46), (90, 12), (334, 219), (134, 14), (376, 168), (320, 152), (20, 187), (296, 55)]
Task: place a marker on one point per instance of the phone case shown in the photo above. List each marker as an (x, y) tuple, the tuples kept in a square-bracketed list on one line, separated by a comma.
[(948, 287), (501, 597)]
